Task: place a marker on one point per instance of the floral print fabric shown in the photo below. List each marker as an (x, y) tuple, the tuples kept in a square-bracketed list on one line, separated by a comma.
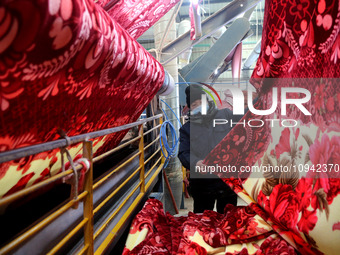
[(138, 16), (66, 66), (300, 45), (238, 231)]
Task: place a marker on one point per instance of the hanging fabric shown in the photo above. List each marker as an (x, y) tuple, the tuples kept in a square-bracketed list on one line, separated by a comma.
[(194, 9), (66, 65), (138, 16), (300, 46)]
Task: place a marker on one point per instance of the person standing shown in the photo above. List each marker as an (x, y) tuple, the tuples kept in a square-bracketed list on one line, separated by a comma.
[(198, 137)]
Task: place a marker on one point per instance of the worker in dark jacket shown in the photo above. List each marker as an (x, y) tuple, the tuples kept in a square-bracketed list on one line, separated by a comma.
[(198, 138)]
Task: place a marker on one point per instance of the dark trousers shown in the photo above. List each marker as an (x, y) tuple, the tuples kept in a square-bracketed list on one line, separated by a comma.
[(206, 200)]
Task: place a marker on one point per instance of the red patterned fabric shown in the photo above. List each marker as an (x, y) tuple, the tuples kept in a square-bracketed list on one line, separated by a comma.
[(137, 16), (103, 3), (300, 40), (207, 233), (194, 7), (66, 65)]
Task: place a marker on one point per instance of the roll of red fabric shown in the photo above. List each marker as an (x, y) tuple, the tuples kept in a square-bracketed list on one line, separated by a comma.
[(66, 65), (138, 16)]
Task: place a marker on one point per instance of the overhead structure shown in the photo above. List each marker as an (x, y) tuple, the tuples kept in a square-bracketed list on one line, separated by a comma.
[(253, 56), (209, 26), (203, 68)]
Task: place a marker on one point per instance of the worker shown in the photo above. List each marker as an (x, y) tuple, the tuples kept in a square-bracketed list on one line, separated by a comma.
[(198, 137)]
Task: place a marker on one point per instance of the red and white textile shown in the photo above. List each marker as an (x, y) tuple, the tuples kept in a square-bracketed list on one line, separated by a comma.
[(66, 65), (238, 231), (300, 42), (137, 16)]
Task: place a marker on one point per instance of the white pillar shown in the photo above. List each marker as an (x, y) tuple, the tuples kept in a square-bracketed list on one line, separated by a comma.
[(174, 169)]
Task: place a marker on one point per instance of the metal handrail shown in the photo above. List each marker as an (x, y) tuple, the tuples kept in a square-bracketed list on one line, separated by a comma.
[(68, 237), (111, 236), (158, 150), (154, 141), (116, 149), (98, 183), (154, 165), (100, 230), (115, 191), (152, 129), (82, 251), (38, 148), (26, 191), (87, 195), (22, 238), (125, 144)]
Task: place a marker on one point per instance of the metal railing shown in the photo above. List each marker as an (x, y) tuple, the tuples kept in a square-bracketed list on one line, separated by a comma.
[(87, 194)]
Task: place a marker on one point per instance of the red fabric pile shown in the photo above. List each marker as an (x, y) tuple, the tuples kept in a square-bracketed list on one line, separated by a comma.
[(167, 234)]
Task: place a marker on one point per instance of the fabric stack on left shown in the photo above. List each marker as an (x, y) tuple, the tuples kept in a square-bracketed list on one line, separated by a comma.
[(70, 66)]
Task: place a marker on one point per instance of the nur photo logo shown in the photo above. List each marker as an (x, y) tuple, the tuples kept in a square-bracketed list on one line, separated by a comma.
[(286, 97), (238, 100)]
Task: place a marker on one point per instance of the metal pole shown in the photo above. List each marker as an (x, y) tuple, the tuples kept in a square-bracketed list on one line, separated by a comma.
[(35, 149), (141, 159), (173, 169), (170, 191), (88, 200)]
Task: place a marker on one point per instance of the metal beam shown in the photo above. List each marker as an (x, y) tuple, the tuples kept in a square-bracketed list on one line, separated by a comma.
[(252, 56), (35, 149), (186, 69), (210, 61), (187, 3), (248, 13), (209, 26)]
